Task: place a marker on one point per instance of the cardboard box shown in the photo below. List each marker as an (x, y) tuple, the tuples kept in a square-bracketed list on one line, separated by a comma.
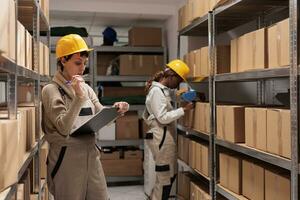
[(41, 58), (182, 22), (8, 29), (122, 167), (103, 62), (197, 156), (34, 197), (9, 151), (193, 191), (20, 191), (253, 181), (43, 159), (204, 160), (137, 154), (231, 172), (231, 123), (202, 117), (46, 60), (260, 49), (249, 52), (115, 155), (188, 118), (191, 63), (204, 64), (183, 148), (256, 128), (21, 47), (192, 154), (107, 132), (278, 44), (140, 64), (31, 133), (277, 187), (123, 91), (28, 52), (278, 132), (245, 53), (234, 55), (183, 185), (26, 181), (4, 27), (12, 30), (25, 94), (22, 129), (223, 59), (197, 66), (198, 8), (127, 127), (145, 36)]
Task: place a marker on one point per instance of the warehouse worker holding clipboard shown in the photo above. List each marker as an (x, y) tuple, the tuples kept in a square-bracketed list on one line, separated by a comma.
[(74, 171), (160, 116)]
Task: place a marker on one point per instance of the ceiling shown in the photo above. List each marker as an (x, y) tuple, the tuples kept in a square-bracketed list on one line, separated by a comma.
[(113, 12)]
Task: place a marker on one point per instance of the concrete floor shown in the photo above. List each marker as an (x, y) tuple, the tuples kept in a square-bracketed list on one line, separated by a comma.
[(135, 192)]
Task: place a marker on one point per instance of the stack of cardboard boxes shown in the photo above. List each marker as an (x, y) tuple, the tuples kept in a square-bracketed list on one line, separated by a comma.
[(125, 128), (183, 189), (135, 65), (252, 180), (140, 64), (265, 129), (198, 157), (198, 61), (128, 163), (195, 9), (197, 118), (264, 48), (8, 29)]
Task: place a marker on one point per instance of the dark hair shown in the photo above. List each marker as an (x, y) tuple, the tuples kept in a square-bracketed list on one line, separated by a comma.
[(159, 76), (68, 57)]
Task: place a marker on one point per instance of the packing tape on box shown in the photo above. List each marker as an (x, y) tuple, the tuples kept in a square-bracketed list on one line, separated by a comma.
[(279, 134), (254, 125), (155, 60)]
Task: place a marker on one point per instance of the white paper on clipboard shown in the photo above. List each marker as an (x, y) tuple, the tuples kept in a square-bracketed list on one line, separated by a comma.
[(98, 121)]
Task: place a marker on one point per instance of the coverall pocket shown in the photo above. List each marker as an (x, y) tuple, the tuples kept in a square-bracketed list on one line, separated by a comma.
[(163, 174), (59, 161)]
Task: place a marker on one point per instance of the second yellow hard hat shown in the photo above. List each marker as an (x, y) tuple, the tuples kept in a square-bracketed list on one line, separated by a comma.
[(180, 68), (70, 44)]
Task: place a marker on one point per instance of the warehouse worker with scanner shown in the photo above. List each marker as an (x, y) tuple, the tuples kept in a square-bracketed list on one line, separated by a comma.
[(74, 170), (160, 116)]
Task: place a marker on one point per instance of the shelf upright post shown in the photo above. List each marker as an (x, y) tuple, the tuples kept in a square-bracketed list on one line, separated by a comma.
[(12, 78), (212, 102), (294, 97), (37, 96)]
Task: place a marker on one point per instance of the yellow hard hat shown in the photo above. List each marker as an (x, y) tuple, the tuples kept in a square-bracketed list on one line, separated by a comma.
[(180, 68), (70, 44)]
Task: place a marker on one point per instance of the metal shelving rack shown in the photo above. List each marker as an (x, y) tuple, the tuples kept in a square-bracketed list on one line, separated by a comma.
[(228, 17), (30, 14), (119, 78)]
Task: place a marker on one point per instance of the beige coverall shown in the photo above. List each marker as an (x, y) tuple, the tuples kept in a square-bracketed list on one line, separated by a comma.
[(160, 115), (74, 170)]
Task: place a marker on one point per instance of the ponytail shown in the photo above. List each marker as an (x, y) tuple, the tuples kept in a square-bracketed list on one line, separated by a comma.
[(157, 77)]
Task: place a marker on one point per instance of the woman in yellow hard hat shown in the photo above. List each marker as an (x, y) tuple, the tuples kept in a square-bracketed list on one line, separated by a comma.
[(160, 116), (74, 171)]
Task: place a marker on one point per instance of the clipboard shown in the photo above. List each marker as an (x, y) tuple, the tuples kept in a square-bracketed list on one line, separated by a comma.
[(98, 121)]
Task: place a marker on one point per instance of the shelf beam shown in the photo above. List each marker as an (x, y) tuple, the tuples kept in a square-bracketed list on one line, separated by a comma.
[(260, 155)]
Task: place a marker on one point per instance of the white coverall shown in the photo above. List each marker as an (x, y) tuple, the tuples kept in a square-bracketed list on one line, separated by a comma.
[(74, 170), (159, 116)]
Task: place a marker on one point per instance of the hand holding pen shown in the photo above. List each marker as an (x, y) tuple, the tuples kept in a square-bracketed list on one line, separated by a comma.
[(75, 83)]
